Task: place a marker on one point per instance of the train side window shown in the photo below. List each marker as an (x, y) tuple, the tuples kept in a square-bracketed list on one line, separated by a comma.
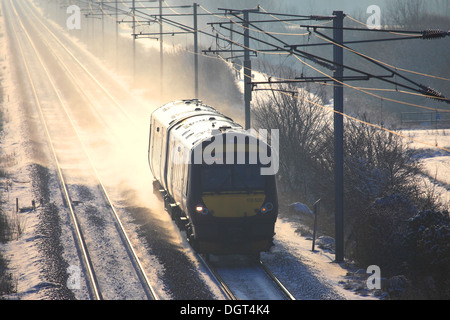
[(182, 169), (187, 173)]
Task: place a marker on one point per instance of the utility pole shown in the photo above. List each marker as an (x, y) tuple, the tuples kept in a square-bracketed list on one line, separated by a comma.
[(133, 9), (195, 51), (160, 18), (247, 67), (86, 28), (338, 57), (103, 28), (161, 50), (247, 71), (117, 34)]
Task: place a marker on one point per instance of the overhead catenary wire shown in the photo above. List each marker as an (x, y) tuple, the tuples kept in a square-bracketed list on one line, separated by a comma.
[(262, 31), (273, 16), (382, 64), (284, 51), (280, 51), (367, 123), (356, 88), (396, 67), (356, 119)]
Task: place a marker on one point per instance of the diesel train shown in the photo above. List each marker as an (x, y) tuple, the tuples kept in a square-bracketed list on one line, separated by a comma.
[(209, 171)]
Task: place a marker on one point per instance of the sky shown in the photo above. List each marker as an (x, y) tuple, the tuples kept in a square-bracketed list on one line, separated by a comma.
[(312, 6)]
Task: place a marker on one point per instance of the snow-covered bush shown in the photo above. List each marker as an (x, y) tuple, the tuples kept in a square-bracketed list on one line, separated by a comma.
[(429, 242), (382, 189), (303, 127)]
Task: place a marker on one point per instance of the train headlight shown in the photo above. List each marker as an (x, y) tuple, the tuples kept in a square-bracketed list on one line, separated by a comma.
[(201, 209), (267, 207)]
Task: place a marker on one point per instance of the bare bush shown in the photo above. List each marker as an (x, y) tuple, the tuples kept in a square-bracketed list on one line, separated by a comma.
[(406, 13), (382, 181), (302, 126), (429, 240)]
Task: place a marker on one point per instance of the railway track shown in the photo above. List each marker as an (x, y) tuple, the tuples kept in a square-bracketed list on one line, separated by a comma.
[(67, 149), (246, 278), (88, 86), (49, 40)]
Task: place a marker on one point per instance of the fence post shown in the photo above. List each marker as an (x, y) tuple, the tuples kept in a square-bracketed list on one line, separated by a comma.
[(316, 213)]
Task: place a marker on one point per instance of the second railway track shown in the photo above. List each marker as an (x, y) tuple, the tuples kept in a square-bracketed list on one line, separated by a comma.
[(111, 266)]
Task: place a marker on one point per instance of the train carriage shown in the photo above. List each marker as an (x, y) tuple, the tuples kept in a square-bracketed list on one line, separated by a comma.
[(209, 171)]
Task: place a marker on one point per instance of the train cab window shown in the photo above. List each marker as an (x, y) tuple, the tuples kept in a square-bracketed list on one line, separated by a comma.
[(216, 178), (237, 177), (248, 177)]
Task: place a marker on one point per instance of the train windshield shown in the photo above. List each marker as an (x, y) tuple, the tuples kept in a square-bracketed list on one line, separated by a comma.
[(236, 177)]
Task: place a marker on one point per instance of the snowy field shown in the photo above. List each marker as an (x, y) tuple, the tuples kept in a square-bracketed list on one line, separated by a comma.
[(433, 149)]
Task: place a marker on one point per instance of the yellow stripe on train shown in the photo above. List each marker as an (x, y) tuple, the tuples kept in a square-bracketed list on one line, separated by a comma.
[(233, 205)]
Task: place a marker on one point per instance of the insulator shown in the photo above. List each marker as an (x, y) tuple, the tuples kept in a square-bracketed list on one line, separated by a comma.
[(433, 94), (318, 18), (324, 64), (433, 34)]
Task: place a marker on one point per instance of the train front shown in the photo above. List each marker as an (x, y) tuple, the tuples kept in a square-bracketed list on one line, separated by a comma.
[(233, 200)]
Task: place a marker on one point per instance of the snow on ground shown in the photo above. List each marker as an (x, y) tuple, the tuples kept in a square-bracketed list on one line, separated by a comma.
[(436, 161), (22, 252), (307, 274), (310, 275)]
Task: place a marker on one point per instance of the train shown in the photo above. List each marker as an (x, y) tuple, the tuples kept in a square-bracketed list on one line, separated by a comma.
[(209, 172)]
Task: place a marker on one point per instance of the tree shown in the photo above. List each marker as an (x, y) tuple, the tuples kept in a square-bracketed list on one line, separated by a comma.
[(302, 126), (406, 13)]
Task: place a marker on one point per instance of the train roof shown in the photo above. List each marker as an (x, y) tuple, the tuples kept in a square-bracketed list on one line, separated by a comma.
[(191, 121), (172, 113), (197, 129)]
